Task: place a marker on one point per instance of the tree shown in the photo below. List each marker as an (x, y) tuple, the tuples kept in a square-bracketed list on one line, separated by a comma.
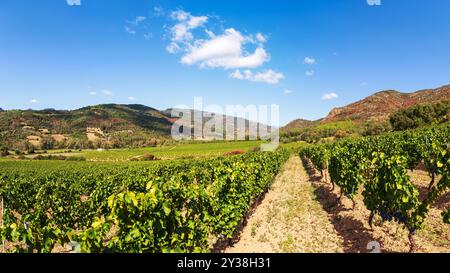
[(4, 151), (420, 115), (374, 127), (47, 144)]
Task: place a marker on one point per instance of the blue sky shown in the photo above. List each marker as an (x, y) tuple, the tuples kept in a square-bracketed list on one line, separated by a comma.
[(308, 56)]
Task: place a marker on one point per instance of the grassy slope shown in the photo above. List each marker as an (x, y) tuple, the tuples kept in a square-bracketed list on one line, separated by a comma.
[(172, 152), (182, 151)]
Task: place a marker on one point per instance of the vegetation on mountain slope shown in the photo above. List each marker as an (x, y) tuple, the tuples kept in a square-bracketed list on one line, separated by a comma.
[(380, 113), (101, 126), (421, 115)]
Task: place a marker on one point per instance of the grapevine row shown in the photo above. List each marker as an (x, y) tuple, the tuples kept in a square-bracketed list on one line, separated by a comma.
[(157, 207), (379, 165)]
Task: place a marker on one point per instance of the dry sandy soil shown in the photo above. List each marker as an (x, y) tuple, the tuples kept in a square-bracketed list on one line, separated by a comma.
[(289, 219), (300, 214)]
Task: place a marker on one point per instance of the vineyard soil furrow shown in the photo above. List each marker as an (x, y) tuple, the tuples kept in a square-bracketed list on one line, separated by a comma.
[(352, 224), (289, 219)]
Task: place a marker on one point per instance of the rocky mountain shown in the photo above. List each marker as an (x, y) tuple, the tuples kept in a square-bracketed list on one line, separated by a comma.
[(382, 104), (378, 106)]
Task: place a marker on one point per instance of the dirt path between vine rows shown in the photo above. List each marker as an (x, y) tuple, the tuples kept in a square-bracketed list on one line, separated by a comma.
[(289, 219), (300, 214)]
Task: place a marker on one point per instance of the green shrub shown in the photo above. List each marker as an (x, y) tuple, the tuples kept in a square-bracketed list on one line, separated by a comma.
[(148, 157)]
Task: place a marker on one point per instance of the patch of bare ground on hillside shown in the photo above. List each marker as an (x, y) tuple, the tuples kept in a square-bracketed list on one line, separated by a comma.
[(353, 227), (289, 218)]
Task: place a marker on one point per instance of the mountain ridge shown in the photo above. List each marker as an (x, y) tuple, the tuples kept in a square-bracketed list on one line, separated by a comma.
[(383, 103), (111, 123), (105, 125), (377, 106)]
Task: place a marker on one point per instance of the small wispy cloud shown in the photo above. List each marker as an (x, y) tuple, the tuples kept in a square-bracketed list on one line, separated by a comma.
[(364, 84), (34, 101), (269, 76), (73, 2), (92, 93), (132, 26), (330, 96), (374, 2), (130, 30), (131, 98), (261, 38), (287, 92), (148, 36), (136, 21), (158, 11), (309, 60), (107, 92), (309, 73)]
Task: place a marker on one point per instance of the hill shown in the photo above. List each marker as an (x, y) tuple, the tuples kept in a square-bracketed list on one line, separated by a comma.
[(370, 115), (298, 124), (99, 126), (382, 104), (378, 106)]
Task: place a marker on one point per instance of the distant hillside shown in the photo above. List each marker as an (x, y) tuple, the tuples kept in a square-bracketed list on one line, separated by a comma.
[(371, 116), (107, 125), (378, 106), (297, 124), (228, 121), (382, 104), (108, 117)]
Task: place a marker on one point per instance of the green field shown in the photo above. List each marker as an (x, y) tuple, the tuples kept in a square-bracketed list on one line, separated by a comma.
[(182, 151), (294, 146), (173, 152)]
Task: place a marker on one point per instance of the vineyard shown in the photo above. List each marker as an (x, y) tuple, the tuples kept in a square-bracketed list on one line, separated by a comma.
[(199, 204), (378, 166), (165, 206)]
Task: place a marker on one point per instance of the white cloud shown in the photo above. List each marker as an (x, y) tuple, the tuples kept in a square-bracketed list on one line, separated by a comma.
[(309, 60), (148, 36), (195, 22), (374, 2), (158, 11), (107, 92), (93, 93), (131, 26), (330, 96), (73, 2), (261, 38), (225, 51), (287, 92), (309, 73), (131, 98), (237, 75), (268, 76), (173, 48), (139, 19), (181, 32), (34, 101), (179, 15), (130, 30), (210, 34)]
